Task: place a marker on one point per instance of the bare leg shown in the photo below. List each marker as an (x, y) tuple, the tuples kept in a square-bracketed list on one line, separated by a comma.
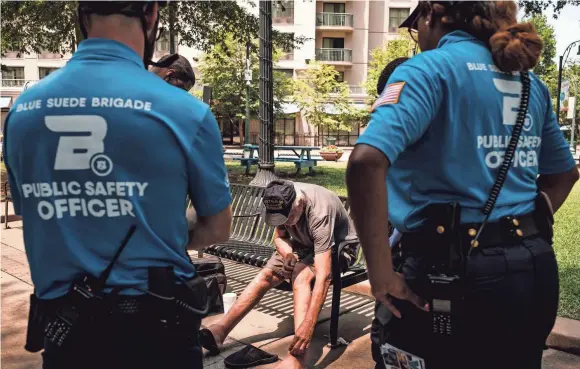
[(301, 286), (251, 295)]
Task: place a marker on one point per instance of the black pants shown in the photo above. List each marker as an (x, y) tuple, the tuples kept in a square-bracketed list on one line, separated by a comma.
[(511, 304), (129, 341)]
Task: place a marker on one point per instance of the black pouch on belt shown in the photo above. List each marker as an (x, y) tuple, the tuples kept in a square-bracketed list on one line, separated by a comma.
[(544, 216), (199, 293), (35, 329)]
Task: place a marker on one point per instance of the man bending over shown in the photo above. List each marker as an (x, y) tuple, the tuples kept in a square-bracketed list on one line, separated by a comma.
[(310, 220)]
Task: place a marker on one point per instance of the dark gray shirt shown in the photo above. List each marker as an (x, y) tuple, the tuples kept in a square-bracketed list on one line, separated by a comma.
[(324, 223)]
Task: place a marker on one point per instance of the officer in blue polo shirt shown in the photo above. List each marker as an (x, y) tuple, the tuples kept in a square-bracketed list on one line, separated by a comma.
[(479, 283), (99, 148)]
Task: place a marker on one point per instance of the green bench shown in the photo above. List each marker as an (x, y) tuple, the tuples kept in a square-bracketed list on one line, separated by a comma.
[(252, 242), (299, 163)]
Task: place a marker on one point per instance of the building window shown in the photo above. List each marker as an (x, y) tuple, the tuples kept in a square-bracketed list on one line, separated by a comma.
[(43, 72), (284, 130), (332, 43), (334, 8), (288, 52), (288, 72), (343, 138), (12, 76), (396, 17), (162, 45), (340, 77), (13, 73), (283, 12)]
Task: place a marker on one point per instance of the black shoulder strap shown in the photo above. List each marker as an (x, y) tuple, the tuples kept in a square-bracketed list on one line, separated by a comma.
[(101, 281), (509, 154)]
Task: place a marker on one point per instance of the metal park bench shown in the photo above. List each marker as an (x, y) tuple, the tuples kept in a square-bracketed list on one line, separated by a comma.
[(251, 242)]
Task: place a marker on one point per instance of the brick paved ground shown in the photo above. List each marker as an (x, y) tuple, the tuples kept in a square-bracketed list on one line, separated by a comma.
[(269, 326)]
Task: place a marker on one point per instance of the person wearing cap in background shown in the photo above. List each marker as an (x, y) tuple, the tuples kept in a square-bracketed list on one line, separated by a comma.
[(479, 283), (395, 238), (176, 70), (310, 220), (116, 151)]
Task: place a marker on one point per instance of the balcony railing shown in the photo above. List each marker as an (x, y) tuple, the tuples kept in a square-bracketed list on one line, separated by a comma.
[(18, 83), (280, 16), (355, 90), (334, 19), (334, 55)]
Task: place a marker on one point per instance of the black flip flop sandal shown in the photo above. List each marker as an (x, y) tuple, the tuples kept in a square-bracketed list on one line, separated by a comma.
[(249, 357), (208, 341)]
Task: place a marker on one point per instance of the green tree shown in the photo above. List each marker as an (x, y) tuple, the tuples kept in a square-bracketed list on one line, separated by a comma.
[(383, 55), (539, 7), (547, 34), (36, 26), (316, 91), (223, 68)]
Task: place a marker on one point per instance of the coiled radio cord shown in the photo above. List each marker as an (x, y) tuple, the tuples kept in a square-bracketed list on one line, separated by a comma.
[(508, 157)]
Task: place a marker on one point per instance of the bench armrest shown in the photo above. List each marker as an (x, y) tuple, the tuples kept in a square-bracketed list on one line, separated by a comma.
[(246, 216)]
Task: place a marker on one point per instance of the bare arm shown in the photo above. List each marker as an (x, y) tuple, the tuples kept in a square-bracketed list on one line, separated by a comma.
[(323, 272), (304, 333), (557, 186), (367, 190), (206, 231), (282, 241)]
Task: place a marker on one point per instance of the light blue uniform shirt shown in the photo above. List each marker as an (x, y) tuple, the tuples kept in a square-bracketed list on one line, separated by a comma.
[(98, 146), (446, 135)]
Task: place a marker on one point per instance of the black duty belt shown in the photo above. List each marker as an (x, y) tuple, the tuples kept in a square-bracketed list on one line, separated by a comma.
[(110, 305), (506, 231)]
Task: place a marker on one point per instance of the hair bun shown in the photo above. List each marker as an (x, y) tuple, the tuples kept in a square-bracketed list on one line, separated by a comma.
[(516, 48)]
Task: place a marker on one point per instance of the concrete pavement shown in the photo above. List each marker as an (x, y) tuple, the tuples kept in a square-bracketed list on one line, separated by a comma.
[(269, 326)]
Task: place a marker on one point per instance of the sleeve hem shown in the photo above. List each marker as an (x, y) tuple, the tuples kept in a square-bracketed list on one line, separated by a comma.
[(572, 165), (388, 152), (217, 207)]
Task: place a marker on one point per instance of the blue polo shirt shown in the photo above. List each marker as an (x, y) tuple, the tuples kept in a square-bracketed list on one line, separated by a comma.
[(101, 145), (444, 122)]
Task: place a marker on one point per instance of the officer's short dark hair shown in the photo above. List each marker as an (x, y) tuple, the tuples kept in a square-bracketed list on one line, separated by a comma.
[(183, 76), (386, 73)]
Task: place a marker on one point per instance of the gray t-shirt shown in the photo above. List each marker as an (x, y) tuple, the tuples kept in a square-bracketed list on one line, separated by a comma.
[(324, 223)]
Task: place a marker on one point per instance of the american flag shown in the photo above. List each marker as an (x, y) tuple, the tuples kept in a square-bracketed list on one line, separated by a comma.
[(390, 95)]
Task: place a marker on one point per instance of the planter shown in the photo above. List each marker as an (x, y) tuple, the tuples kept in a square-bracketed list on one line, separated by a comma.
[(331, 156)]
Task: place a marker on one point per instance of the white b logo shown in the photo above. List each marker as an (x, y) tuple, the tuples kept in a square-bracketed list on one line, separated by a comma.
[(84, 145), (511, 104)]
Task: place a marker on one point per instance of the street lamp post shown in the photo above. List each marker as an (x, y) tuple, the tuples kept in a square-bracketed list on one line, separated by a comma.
[(248, 79), (573, 126), (265, 173), (563, 59)]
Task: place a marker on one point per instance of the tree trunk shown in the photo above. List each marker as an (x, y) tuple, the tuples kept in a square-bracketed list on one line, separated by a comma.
[(265, 173)]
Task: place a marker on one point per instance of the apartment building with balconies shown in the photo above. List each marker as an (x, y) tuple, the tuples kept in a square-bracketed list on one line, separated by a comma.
[(339, 33), (20, 69)]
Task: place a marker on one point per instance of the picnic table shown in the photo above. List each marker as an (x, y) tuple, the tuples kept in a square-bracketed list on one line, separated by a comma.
[(301, 156)]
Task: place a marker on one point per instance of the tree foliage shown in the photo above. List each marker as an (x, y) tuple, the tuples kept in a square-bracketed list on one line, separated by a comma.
[(538, 7), (548, 36), (223, 68), (36, 26), (317, 92), (383, 55)]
